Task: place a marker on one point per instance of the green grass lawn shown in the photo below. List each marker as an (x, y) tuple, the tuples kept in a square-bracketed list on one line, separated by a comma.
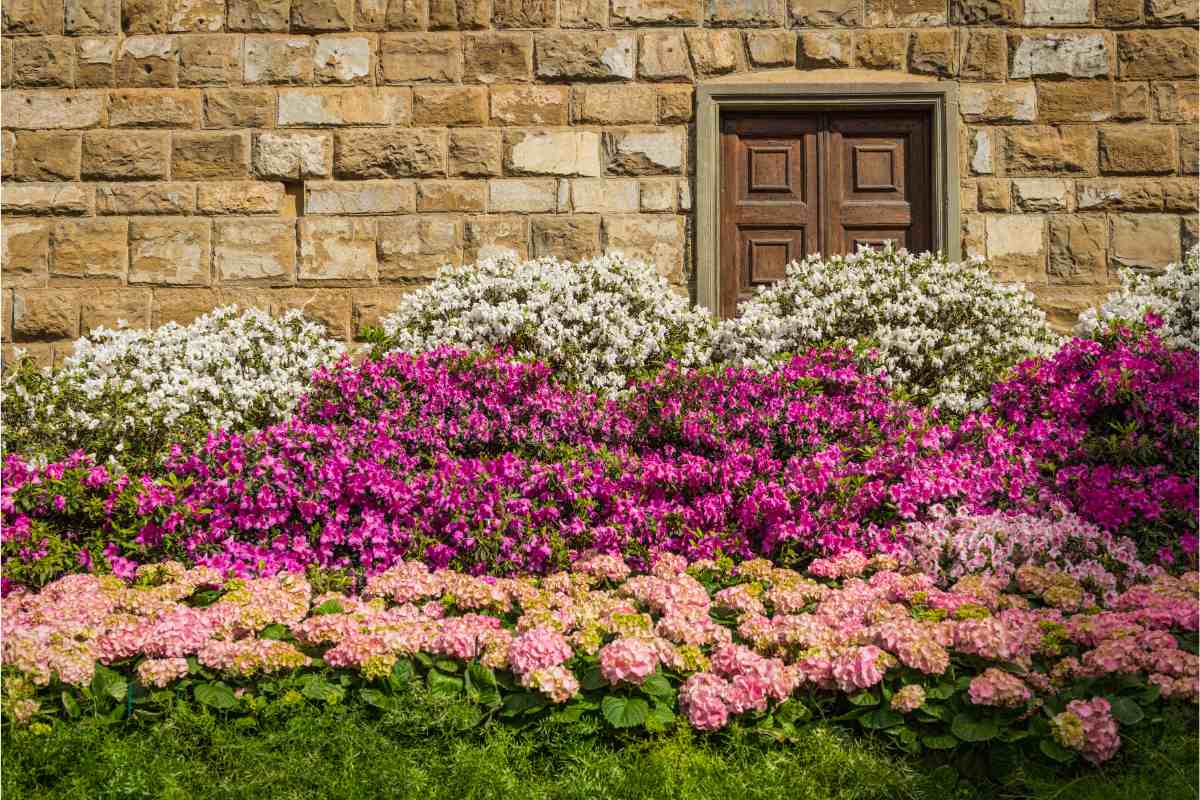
[(434, 749)]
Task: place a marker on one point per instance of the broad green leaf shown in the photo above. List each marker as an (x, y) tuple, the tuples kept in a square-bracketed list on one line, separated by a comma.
[(441, 683), (523, 703), (974, 729), (275, 632), (942, 691), (657, 686), (863, 698), (70, 705), (215, 695), (878, 719), (374, 697), (402, 673), (328, 607), (1054, 750), (792, 711), (591, 679), (939, 742), (624, 712), (1126, 711)]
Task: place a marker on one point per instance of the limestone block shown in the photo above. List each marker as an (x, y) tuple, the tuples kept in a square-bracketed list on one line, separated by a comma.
[(45, 314), (881, 49), (634, 13), (568, 237), (1180, 194), (475, 152), (420, 58), (675, 104), (1041, 194), (32, 16), (42, 61), (239, 197), (350, 106), (210, 60), (984, 55), (258, 15), (528, 196), (459, 14), (771, 48), (293, 155), (1137, 150), (239, 108), (1058, 55), (94, 60), (994, 194), (1157, 55), (1016, 247), (322, 15), (174, 252), (417, 247), (1043, 150), (905, 13), (342, 59), (657, 239), (1009, 102), (456, 196), (653, 152), (524, 13), (583, 13), (254, 251), (279, 59), (390, 153), (746, 13), (337, 250), (714, 52), (370, 306), (1058, 12), (663, 56), (982, 149), (934, 53), (359, 197), (25, 258), (326, 307), (658, 194), (50, 156), (46, 198), (210, 155), (585, 56), (825, 13), (1131, 101), (1119, 194), (615, 105), (154, 109), (604, 195), (146, 198), (109, 308), (92, 17), (454, 106), (148, 61), (1172, 12), (1144, 241), (492, 236), (563, 153), (122, 155), (531, 105), (41, 110), (1076, 101), (824, 49), (1118, 13), (1177, 101), (1078, 249)]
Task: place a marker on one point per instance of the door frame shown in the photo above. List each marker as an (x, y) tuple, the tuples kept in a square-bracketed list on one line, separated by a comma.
[(940, 98)]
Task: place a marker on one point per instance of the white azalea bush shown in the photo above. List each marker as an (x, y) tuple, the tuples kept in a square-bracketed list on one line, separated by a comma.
[(598, 323), (129, 394), (1173, 296), (941, 331)]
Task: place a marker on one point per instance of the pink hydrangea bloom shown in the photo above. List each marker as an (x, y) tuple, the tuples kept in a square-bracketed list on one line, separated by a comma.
[(537, 649), (628, 660)]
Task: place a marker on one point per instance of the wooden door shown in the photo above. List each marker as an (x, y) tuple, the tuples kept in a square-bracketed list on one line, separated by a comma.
[(770, 214), (819, 182)]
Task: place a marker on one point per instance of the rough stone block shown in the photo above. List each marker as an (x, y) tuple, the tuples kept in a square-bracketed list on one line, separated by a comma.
[(714, 52), (523, 196), (984, 55), (189, 16), (905, 13), (92, 17), (340, 251), (458, 196), (278, 59), (351, 106), (1041, 194), (881, 49), (982, 150), (570, 237), (154, 109), (239, 108), (1131, 101), (994, 194), (1177, 102), (420, 58), (33, 16), (239, 197), (293, 155), (1172, 12), (615, 105), (183, 305), (604, 195), (656, 152), (1011, 102), (499, 57), (1180, 195), (475, 153), (675, 104), (1118, 13), (658, 194), (633, 13), (771, 48), (170, 252), (1043, 150), (583, 13), (1189, 145), (94, 60), (46, 198), (342, 59), (148, 61), (1016, 247), (656, 239), (455, 106), (746, 13), (44, 156), (24, 261), (1078, 250), (417, 247), (530, 105), (259, 15), (585, 56), (825, 13), (1076, 101), (359, 197), (1058, 12), (125, 155), (322, 15), (524, 13), (326, 307), (934, 53), (824, 49), (1119, 194), (389, 153), (210, 60), (45, 314), (210, 155), (663, 56), (42, 61), (41, 110), (1137, 150), (254, 252), (370, 306), (1157, 55), (1143, 241), (492, 236), (146, 198), (552, 153), (1058, 55), (459, 15), (109, 308)]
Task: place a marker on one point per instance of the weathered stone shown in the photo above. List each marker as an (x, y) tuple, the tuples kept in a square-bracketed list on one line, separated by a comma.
[(351, 106), (490, 237), (359, 197), (657, 194), (1041, 194), (8, 144), (656, 239), (258, 15), (110, 308), (45, 314), (984, 56), (1016, 247), (94, 60), (746, 13), (823, 49), (326, 307), (370, 306), (1058, 12), (33, 16), (771, 48), (934, 53), (565, 237), (825, 13), (451, 196), (148, 61), (337, 250), (418, 247), (530, 105), (420, 58), (974, 236), (154, 109), (239, 108), (1119, 194), (279, 59), (523, 196), (173, 252), (1137, 150), (1143, 241), (43, 61), (1118, 13), (664, 57), (209, 60), (905, 13), (45, 156), (1078, 250), (1058, 55), (994, 194), (1172, 12), (145, 16), (1180, 194), (342, 59), (210, 155), (585, 56), (968, 195), (42, 110), (983, 12), (46, 198), (657, 152), (656, 12), (389, 153), (1189, 151), (674, 104), (254, 252), (26, 254), (499, 57), (1010, 102), (714, 52), (1044, 150), (92, 17), (615, 105), (982, 149), (289, 156), (196, 16), (1177, 102), (239, 197), (1157, 54), (1131, 101), (475, 152), (450, 105), (1189, 235), (322, 15), (1075, 101), (122, 155), (604, 195), (552, 153), (402, 15), (881, 49), (146, 198), (524, 13), (459, 14)]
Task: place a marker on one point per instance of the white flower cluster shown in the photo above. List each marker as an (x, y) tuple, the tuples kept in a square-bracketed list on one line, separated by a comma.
[(1173, 295), (128, 389), (598, 323), (941, 331)]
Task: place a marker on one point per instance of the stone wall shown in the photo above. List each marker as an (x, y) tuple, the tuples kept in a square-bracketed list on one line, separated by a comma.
[(164, 156)]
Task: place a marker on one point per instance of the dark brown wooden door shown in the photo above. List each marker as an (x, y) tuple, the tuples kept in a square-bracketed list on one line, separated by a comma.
[(819, 182)]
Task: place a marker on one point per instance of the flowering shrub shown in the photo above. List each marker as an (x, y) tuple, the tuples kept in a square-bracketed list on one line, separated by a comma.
[(487, 465), (1172, 297), (597, 323), (1113, 421), (941, 331), (879, 649), (131, 393)]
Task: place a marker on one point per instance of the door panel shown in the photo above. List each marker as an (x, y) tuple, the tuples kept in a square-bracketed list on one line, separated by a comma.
[(819, 182)]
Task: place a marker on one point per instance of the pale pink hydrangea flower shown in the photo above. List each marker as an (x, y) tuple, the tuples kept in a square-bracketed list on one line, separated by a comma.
[(908, 698), (556, 682), (536, 649), (161, 672), (1088, 727), (860, 667), (995, 687), (628, 660), (701, 698)]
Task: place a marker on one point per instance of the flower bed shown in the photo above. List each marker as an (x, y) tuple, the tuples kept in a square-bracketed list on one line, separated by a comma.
[(987, 661)]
